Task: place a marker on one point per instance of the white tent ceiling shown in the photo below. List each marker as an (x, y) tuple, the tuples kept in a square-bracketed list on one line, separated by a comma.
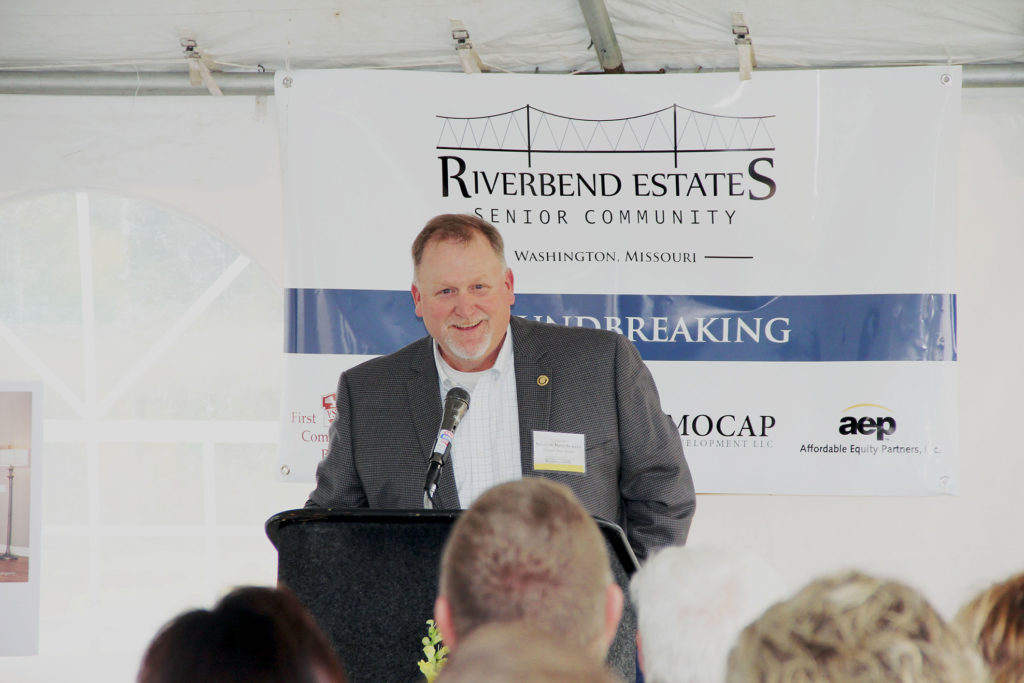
[(517, 35)]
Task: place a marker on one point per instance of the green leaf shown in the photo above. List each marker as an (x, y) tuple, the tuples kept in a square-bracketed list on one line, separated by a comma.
[(436, 653)]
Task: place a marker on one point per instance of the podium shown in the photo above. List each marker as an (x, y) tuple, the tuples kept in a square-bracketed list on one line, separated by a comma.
[(370, 577)]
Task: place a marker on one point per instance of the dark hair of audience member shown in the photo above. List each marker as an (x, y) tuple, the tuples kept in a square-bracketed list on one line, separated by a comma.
[(994, 623), (253, 635)]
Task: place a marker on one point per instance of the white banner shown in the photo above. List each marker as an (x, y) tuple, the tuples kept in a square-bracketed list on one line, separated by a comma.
[(781, 250)]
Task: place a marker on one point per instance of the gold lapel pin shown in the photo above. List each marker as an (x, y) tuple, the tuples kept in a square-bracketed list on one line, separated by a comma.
[(542, 380)]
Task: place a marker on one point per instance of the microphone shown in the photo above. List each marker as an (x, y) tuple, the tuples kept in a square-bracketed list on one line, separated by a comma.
[(456, 403)]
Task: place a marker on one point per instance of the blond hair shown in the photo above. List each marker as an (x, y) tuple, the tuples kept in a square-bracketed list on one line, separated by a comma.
[(527, 550), (994, 622), (853, 628)]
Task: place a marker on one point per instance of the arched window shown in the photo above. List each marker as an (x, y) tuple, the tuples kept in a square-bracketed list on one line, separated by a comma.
[(159, 348)]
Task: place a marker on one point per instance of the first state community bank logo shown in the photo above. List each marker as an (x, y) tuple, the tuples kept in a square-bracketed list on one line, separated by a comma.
[(330, 405)]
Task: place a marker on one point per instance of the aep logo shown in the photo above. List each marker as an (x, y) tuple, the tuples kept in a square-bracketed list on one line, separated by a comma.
[(879, 425)]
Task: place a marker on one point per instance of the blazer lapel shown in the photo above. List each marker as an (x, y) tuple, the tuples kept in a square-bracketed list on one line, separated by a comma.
[(425, 404), (534, 378)]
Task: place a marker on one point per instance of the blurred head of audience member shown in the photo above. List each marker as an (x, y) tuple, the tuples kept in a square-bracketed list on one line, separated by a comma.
[(517, 651), (253, 635), (994, 622), (853, 628), (528, 550), (692, 602)]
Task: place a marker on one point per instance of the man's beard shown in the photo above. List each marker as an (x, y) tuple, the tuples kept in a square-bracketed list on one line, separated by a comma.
[(474, 352)]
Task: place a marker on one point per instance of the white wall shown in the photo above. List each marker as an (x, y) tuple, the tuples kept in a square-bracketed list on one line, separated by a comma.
[(216, 160)]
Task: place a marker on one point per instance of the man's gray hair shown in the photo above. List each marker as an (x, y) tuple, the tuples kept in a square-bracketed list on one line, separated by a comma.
[(459, 228), (692, 602)]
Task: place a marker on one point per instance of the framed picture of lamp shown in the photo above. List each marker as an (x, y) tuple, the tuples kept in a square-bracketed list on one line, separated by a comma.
[(20, 471)]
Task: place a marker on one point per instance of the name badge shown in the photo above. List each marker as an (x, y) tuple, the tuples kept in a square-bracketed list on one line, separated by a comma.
[(559, 452)]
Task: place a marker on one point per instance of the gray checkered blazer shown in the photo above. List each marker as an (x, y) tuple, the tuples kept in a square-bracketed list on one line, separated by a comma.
[(389, 409)]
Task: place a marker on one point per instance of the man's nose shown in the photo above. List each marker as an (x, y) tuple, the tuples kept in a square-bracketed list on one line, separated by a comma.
[(464, 305)]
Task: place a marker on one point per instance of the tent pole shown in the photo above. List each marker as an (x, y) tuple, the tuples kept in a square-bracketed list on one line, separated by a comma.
[(262, 84), (130, 83), (602, 35), (993, 76)]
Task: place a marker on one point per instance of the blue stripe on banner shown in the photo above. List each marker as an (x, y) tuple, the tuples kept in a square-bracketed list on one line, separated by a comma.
[(848, 327)]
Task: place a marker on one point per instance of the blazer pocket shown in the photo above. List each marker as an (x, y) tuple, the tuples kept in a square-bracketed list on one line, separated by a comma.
[(603, 457)]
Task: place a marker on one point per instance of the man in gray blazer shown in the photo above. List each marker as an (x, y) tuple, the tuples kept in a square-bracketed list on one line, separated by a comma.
[(573, 405)]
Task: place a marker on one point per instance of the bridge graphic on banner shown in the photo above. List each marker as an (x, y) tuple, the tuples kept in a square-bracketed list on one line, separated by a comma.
[(673, 130)]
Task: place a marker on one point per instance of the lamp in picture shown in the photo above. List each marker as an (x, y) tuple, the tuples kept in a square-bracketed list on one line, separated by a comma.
[(11, 457)]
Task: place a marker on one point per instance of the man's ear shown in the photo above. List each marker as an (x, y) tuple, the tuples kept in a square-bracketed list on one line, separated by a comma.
[(443, 621), (639, 651), (612, 611), (510, 285), (416, 298)]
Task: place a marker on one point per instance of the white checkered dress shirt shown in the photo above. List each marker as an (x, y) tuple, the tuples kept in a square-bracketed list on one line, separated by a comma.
[(485, 451)]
